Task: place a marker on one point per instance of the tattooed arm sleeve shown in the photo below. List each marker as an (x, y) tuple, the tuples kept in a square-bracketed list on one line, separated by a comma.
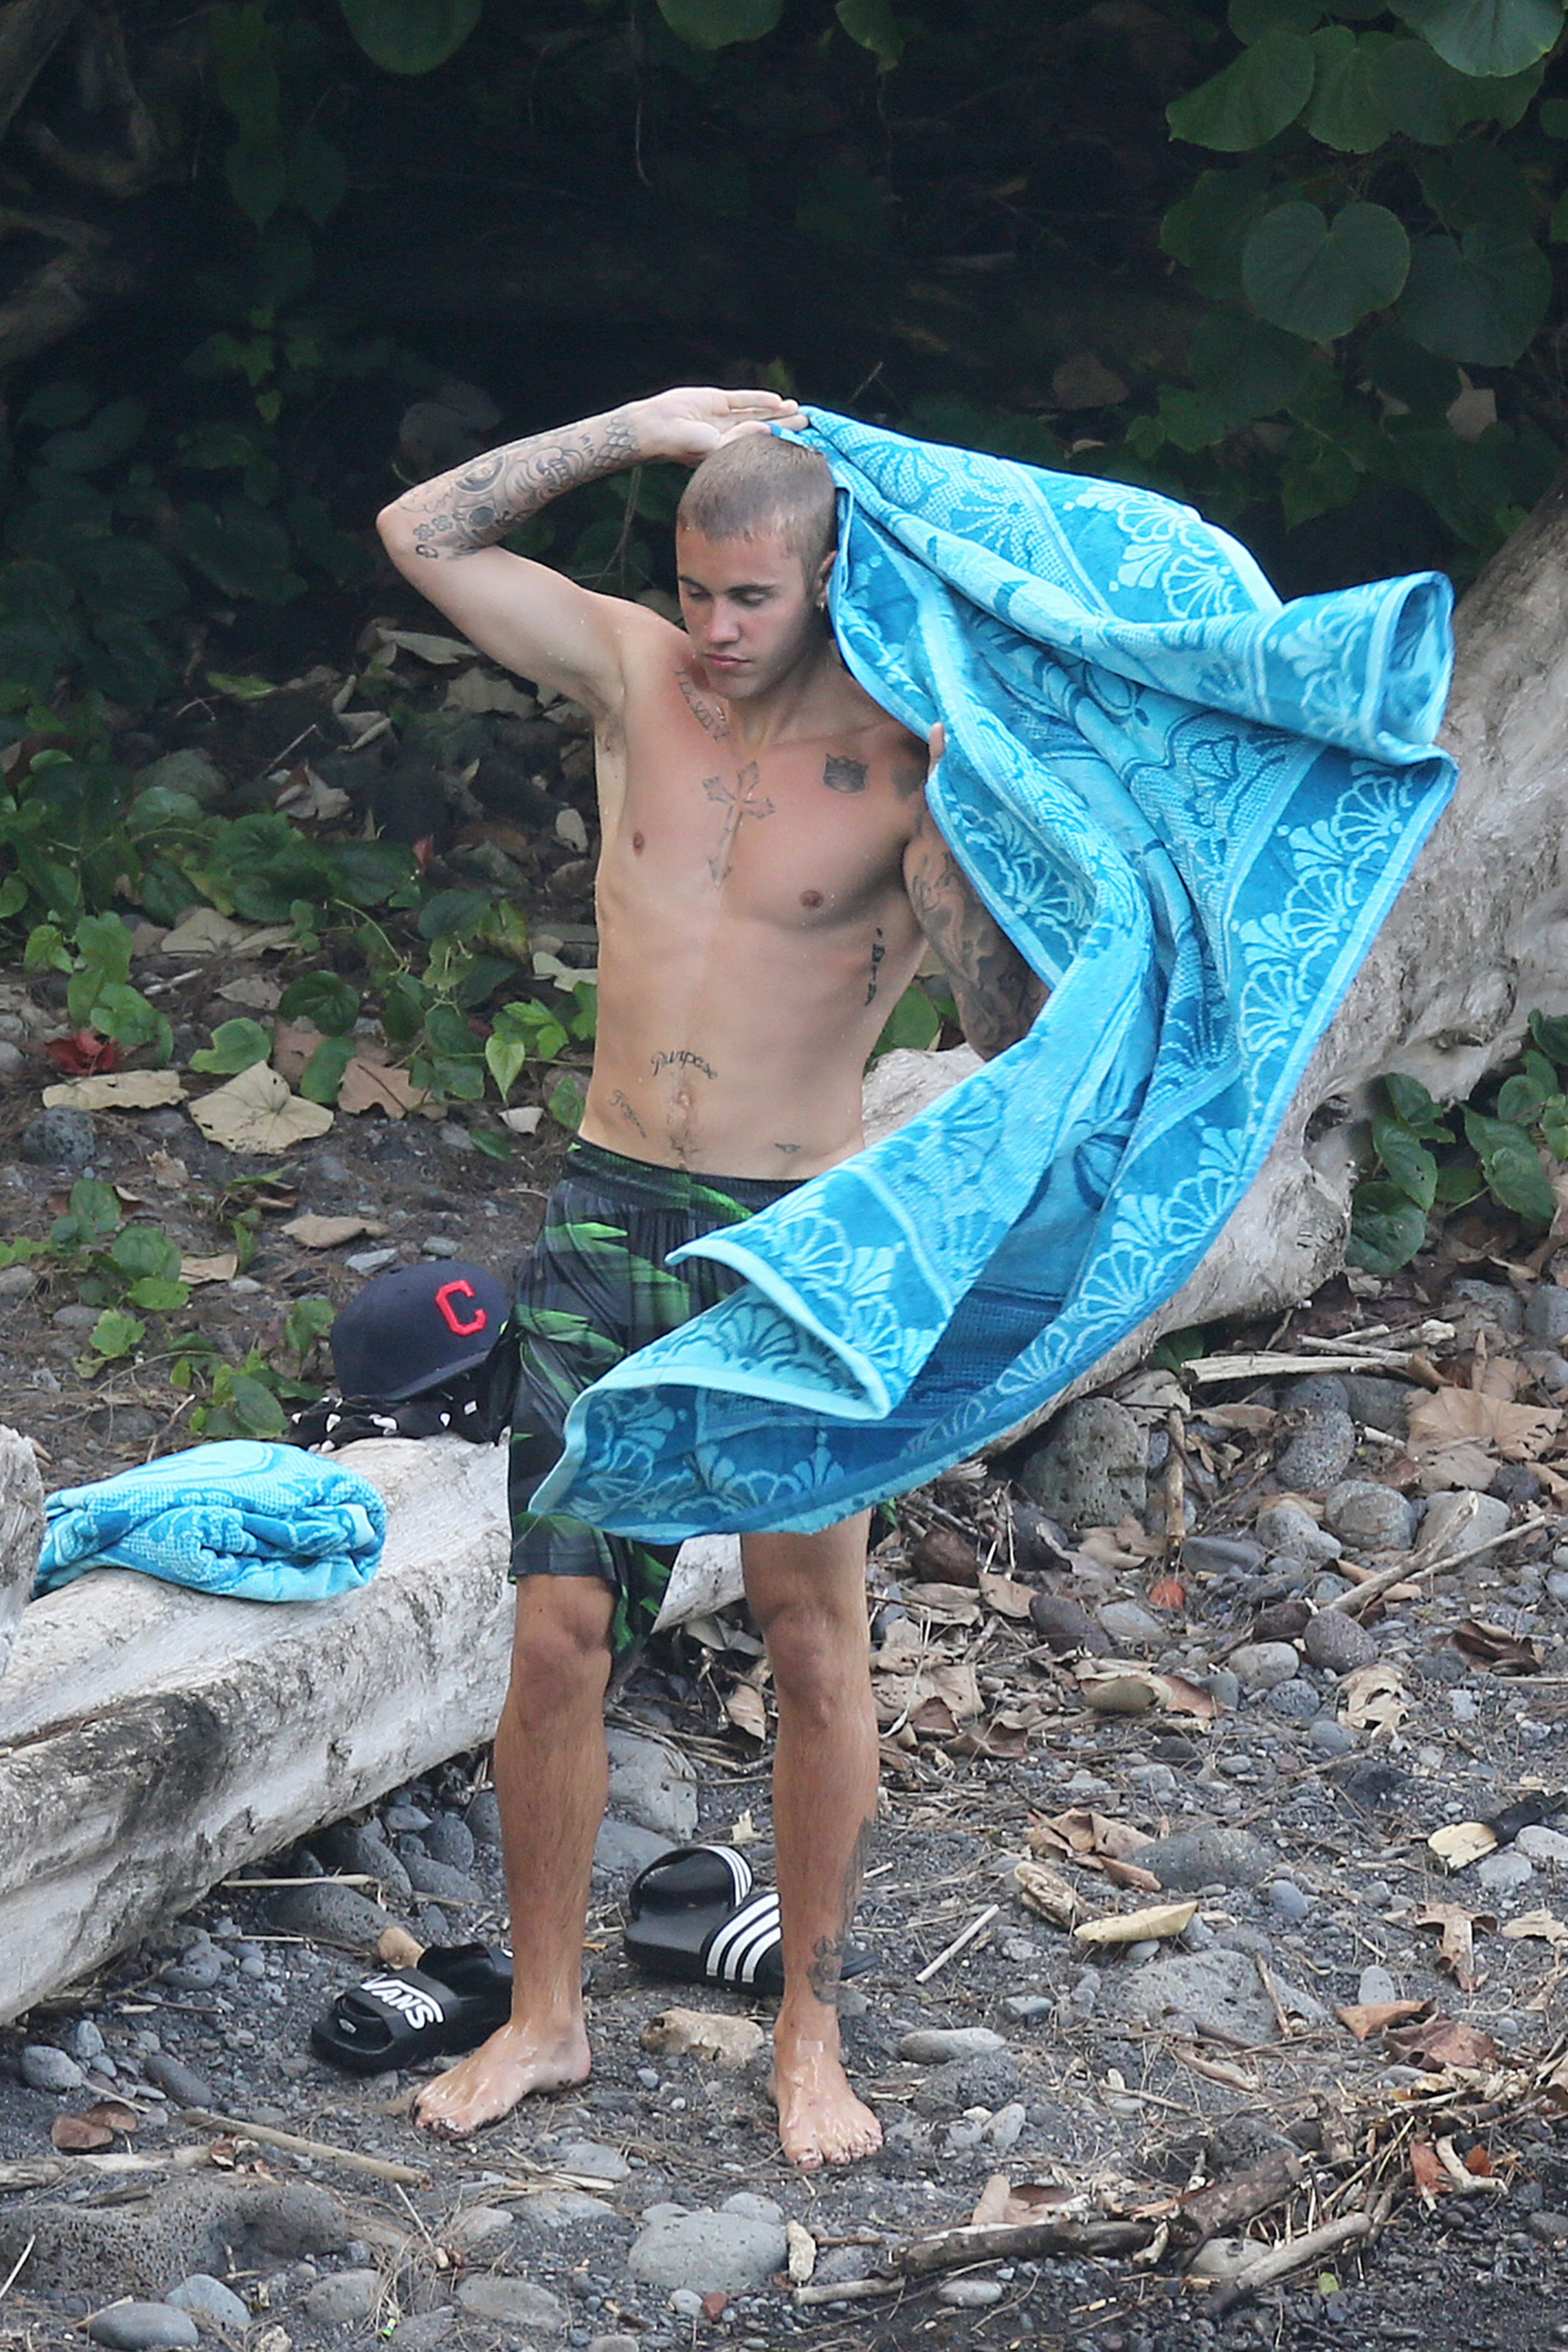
[(443, 534), (478, 503), (996, 993)]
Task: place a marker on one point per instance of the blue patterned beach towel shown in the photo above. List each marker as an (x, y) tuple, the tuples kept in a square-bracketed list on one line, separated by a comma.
[(1191, 806), (257, 1522)]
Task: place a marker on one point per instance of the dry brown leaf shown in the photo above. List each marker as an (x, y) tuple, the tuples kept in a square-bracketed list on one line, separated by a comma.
[(1366, 2018), (993, 2202), (255, 1112), (1006, 1595), (205, 933), (1129, 1874), (1444, 2042), (475, 693), (1453, 1430), (946, 1604), (1110, 1685), (170, 1175), (441, 652), (1374, 1698), (1252, 1419), (197, 1270), (1159, 1919), (934, 1717), (293, 1042), (119, 1090), (254, 990), (113, 2114), (747, 1710), (1540, 1926), (1462, 1843), (74, 2135), (396, 1949), (316, 1233), (954, 1685), (1489, 1646), (1046, 1892), (1456, 1949), (1004, 1736), (1084, 1835), (702, 2033), (1427, 2172), (370, 1085)]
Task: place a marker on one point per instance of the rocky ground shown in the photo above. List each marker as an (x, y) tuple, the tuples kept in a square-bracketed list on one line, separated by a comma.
[(1132, 1669)]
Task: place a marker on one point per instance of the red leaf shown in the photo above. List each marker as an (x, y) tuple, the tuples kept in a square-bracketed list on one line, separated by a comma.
[(1426, 2165), (82, 1054), (76, 2136), (1167, 1593), (715, 2305)]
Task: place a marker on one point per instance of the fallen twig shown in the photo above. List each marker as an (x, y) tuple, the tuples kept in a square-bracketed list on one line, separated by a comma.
[(1280, 2261), (378, 2167), (1268, 1364), (1352, 1604), (43, 2172), (958, 1943), (18, 2266), (847, 2291), (1007, 2241)]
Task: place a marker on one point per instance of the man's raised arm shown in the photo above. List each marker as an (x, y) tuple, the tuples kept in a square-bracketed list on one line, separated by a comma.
[(442, 535), (996, 993)]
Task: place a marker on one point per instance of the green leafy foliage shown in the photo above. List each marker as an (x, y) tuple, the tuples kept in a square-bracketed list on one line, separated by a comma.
[(1317, 277), (1251, 100), (411, 36), (1508, 1143)]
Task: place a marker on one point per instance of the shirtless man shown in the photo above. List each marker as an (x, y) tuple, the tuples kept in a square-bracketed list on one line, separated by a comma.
[(768, 879)]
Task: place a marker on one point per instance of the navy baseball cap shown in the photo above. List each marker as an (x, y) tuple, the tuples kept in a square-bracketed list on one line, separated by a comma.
[(415, 1327)]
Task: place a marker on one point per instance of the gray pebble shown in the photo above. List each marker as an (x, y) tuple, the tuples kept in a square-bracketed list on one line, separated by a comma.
[(438, 1245), (1537, 1843), (686, 2303), (708, 2253), (1223, 1556), (1338, 1642), (1551, 2229), (1381, 1403), (1131, 1626), (1370, 1518), (1452, 1522), (44, 2068), (59, 1139), (1286, 1528), (1296, 1701), (483, 1817), (210, 2299), (1225, 1688), (1374, 1985), (938, 2046), (606, 2342), (434, 1878), (1330, 1737), (514, 2303), (1289, 1899), (593, 2158), (1209, 1855), (141, 2326), (1320, 1452), (405, 1819), (971, 2293), (754, 2207), (450, 1839), (326, 1913), (1091, 1467), (1546, 1313), (344, 2295), (86, 2041), (369, 1261), (1028, 2007), (1504, 1873), (1063, 1623), (360, 1846), (197, 1970), (1259, 1665)]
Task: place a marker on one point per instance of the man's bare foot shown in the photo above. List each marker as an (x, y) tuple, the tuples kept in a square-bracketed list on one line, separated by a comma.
[(820, 2119), (488, 2082)]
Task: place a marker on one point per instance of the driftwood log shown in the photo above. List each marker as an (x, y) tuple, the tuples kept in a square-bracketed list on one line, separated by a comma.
[(153, 1739)]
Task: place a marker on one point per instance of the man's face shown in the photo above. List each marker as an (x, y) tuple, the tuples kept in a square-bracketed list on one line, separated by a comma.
[(749, 609)]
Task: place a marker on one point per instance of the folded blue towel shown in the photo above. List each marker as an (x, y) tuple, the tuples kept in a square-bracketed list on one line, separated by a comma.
[(1191, 808), (259, 1522)]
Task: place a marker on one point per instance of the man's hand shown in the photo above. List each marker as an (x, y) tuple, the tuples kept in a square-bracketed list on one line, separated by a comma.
[(689, 424)]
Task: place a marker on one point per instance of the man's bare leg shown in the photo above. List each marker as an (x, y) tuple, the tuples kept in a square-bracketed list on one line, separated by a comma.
[(550, 1771), (809, 1595)]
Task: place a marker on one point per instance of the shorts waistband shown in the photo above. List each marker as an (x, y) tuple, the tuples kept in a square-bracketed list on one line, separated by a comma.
[(677, 1188)]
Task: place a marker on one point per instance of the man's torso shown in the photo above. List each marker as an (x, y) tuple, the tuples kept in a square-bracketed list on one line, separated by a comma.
[(754, 929)]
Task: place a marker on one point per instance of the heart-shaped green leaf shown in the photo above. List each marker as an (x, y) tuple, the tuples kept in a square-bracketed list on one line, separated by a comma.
[(1251, 100), (1485, 36), (1316, 277), (1479, 299)]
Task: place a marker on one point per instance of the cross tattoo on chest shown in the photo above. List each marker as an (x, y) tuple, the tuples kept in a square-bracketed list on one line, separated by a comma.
[(739, 801)]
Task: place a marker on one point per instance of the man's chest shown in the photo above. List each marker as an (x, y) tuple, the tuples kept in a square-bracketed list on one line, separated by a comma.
[(801, 836)]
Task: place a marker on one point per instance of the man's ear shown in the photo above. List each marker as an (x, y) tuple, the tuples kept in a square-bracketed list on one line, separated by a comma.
[(824, 574)]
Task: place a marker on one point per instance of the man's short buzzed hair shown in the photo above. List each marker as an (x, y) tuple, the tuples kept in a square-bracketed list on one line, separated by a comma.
[(759, 483)]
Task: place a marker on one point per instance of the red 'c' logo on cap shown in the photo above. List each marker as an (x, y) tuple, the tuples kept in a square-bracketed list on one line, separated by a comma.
[(449, 1316)]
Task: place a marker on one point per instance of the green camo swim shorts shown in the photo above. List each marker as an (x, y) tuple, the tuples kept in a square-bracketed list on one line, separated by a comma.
[(595, 1289)]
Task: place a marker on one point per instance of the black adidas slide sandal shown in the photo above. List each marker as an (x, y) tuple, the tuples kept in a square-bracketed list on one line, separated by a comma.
[(696, 1918), (453, 2001)]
